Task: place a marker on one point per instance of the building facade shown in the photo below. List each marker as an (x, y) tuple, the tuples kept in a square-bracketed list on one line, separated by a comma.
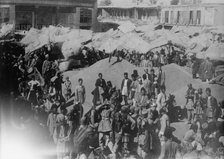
[(38, 13), (193, 13), (143, 13)]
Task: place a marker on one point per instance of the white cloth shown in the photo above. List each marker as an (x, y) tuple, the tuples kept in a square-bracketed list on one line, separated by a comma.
[(32, 83), (101, 91), (161, 101), (48, 105), (162, 61), (209, 102), (125, 88)]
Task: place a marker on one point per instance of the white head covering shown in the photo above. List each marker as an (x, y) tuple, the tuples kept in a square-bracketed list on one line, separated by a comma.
[(60, 118)]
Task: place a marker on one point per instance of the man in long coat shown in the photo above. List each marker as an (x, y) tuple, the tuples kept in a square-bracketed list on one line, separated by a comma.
[(206, 70), (211, 105), (98, 92)]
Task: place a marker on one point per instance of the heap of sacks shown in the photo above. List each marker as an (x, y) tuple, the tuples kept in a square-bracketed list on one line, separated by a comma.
[(71, 39)]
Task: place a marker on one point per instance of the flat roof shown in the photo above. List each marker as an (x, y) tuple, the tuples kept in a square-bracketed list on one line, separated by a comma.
[(194, 5), (129, 6), (72, 3)]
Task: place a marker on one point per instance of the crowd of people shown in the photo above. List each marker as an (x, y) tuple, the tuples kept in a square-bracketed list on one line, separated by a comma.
[(132, 121), (166, 55)]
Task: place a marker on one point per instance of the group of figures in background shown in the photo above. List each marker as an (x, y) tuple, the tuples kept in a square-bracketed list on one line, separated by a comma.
[(133, 121)]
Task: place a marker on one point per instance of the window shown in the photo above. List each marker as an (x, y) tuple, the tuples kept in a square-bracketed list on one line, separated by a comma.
[(166, 16), (131, 13), (191, 17), (125, 13), (4, 15), (198, 17), (85, 15), (171, 17), (178, 16)]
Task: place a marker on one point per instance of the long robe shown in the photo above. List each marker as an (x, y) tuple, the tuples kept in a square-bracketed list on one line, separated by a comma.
[(206, 70)]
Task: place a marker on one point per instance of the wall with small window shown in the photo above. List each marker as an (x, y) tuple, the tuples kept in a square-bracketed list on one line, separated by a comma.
[(166, 16), (4, 15), (183, 15), (85, 15)]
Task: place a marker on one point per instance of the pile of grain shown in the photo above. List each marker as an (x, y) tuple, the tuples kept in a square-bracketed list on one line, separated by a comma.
[(177, 79), (111, 72)]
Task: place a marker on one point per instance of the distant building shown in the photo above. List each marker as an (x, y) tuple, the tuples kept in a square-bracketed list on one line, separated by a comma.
[(140, 12), (194, 13), (38, 13)]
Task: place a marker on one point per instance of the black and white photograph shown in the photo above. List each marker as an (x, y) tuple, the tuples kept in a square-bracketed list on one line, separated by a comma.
[(112, 79)]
